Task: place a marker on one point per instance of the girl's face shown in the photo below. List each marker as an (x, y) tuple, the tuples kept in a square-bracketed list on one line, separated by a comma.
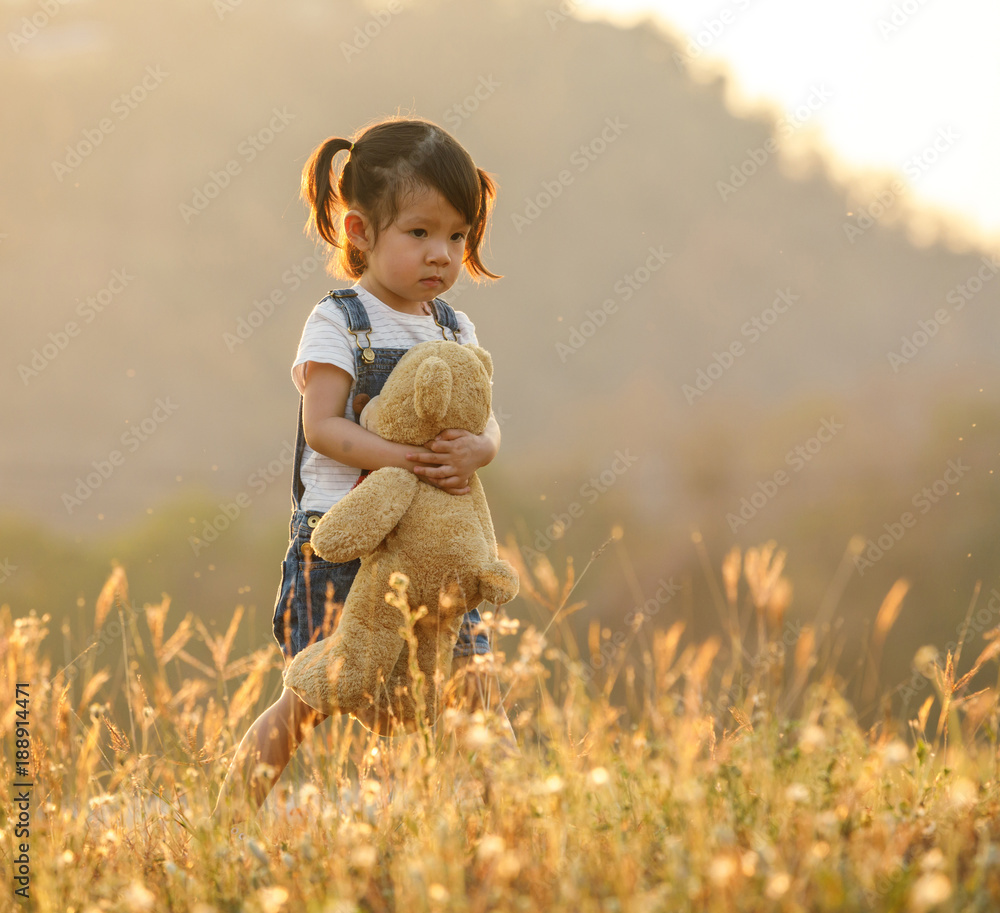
[(417, 257)]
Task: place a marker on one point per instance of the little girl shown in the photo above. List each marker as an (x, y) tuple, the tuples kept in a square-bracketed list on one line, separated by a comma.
[(414, 208)]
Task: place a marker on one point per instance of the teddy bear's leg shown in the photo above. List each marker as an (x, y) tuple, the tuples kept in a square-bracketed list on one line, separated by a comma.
[(308, 676), (370, 650), (435, 644), (435, 649), (397, 712), (346, 672)]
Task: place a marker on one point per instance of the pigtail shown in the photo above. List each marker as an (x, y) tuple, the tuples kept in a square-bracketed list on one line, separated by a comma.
[(487, 196), (318, 190)]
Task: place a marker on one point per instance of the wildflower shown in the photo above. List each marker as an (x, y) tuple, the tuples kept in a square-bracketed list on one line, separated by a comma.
[(820, 849), (554, 784), (813, 738), (933, 859), (508, 866), (896, 752), (477, 737), (928, 891), (962, 794), (138, 897), (797, 792), (532, 644), (490, 846), (272, 899), (926, 659), (364, 857), (507, 626), (437, 893), (598, 776), (306, 792), (721, 870), (257, 850), (778, 885)]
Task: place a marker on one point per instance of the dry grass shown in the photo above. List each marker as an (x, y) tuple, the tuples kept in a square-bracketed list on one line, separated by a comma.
[(729, 775)]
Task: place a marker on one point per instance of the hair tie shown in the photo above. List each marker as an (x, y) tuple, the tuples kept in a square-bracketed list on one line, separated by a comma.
[(350, 149)]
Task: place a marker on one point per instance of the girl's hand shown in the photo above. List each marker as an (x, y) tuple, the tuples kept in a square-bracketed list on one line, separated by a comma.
[(454, 456)]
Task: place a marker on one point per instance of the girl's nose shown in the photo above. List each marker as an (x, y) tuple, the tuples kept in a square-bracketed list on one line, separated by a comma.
[(439, 254)]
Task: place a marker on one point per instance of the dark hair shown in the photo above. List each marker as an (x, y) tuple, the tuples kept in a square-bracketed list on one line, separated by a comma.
[(390, 160)]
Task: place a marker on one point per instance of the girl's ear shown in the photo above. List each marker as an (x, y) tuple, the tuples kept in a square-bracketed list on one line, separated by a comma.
[(357, 229)]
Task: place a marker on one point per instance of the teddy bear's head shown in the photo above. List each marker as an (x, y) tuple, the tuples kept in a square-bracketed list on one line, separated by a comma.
[(435, 385)]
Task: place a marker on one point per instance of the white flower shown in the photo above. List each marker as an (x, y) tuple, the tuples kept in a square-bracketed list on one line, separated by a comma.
[(138, 897), (797, 792), (929, 891), (598, 776)]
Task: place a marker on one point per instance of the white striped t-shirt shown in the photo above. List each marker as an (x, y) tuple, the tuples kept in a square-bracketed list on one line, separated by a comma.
[(325, 338)]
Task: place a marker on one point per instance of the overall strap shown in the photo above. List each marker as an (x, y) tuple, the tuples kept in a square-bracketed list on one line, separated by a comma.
[(444, 317), (357, 322), (298, 486), (357, 319)]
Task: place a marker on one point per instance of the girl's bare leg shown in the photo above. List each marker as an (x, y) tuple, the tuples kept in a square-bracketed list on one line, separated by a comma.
[(271, 740)]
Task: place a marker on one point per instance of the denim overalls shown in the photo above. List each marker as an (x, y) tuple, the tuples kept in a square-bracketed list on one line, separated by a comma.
[(305, 578)]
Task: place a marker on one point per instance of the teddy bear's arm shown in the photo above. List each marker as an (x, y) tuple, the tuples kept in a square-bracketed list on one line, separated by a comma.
[(359, 521), (483, 513), (498, 582)]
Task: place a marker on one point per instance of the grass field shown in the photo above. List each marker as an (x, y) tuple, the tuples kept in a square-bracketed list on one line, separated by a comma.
[(655, 773)]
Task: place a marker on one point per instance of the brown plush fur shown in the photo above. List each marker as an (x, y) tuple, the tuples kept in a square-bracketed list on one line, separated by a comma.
[(396, 523)]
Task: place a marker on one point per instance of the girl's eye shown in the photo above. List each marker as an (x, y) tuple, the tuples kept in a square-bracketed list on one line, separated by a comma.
[(418, 232), (458, 236)]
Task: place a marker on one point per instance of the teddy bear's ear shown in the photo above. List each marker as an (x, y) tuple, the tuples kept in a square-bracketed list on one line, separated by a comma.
[(483, 356), (432, 388)]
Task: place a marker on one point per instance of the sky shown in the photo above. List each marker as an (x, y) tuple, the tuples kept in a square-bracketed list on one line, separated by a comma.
[(909, 86)]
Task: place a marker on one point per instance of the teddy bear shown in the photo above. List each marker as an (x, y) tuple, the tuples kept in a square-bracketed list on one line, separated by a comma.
[(421, 549)]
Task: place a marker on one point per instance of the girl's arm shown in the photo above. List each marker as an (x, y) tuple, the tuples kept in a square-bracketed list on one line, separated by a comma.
[(457, 455), (328, 432)]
